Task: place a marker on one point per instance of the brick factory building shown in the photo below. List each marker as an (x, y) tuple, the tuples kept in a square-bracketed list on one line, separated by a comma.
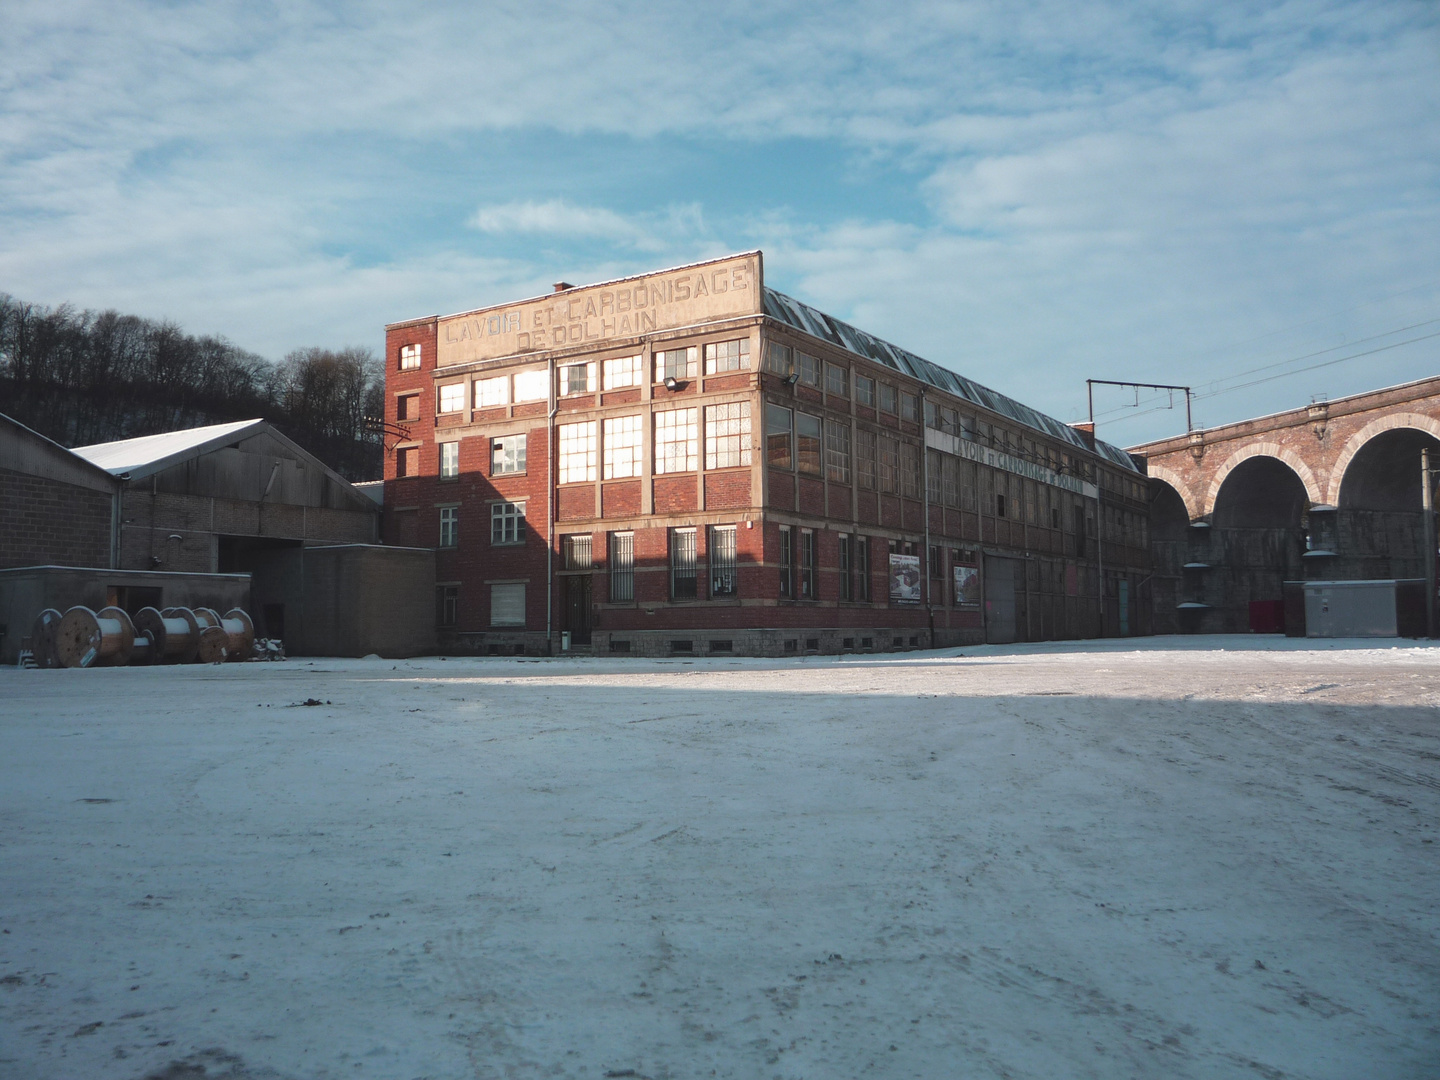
[(689, 462)]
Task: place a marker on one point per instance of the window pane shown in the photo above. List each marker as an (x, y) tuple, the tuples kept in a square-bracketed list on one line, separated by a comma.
[(622, 371), (532, 386), (577, 552), (449, 459), (682, 564), (777, 436), (836, 379), (492, 392), (809, 368), (507, 604), (837, 451), (889, 461), (577, 378), (865, 457), (622, 566), (888, 400), (807, 564), (507, 523), (676, 364), (778, 358), (449, 526), (409, 357), (577, 452), (676, 441), (507, 455), (807, 443), (452, 397), (787, 558), (622, 447), (864, 390), (722, 561), (909, 407), (727, 356), (727, 435)]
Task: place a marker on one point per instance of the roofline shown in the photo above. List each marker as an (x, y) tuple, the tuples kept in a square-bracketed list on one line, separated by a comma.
[(85, 463), (150, 468)]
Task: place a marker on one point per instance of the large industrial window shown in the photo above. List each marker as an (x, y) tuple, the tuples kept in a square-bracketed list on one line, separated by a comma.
[(807, 564), (862, 567), (727, 435), (622, 447), (950, 480), (622, 371), (889, 400), (837, 451), (507, 523), (683, 568), (910, 470), (451, 398), (909, 407), (577, 452), (778, 358), (934, 472), (676, 364), (507, 604), (723, 356), (447, 605), (532, 385), (576, 551), (449, 460), (787, 561), (809, 368), (777, 437), (409, 357), (807, 443), (507, 455), (449, 526), (837, 379), (407, 461), (492, 393), (847, 584), (865, 452), (578, 378), (676, 441), (723, 580), (864, 390), (889, 460), (622, 566)]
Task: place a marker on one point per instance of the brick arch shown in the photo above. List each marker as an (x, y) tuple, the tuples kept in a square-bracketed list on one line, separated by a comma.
[(1263, 449), (1378, 426), (1169, 476)]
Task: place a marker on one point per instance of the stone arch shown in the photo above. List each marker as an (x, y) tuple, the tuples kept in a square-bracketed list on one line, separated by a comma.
[(1171, 477), (1263, 449), (1378, 426)]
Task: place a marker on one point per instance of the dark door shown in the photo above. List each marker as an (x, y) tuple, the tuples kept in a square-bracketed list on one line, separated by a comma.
[(577, 608), (999, 590)]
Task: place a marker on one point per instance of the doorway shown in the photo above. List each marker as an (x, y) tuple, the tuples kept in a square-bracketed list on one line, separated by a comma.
[(999, 586), (577, 608)]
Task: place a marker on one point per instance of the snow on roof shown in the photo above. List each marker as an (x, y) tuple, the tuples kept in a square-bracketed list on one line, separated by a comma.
[(150, 451)]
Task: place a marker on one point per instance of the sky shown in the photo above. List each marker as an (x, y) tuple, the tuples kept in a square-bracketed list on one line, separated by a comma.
[(1239, 197)]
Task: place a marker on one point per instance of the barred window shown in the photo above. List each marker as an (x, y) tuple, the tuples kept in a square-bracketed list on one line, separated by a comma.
[(847, 584), (409, 357), (807, 443), (622, 446), (577, 452), (452, 398), (447, 605), (778, 358), (837, 451), (809, 368), (676, 441), (777, 437), (910, 470), (449, 526), (865, 451), (577, 552), (723, 579), (862, 567), (807, 564), (909, 406), (787, 560), (727, 435), (675, 364), (507, 523), (837, 380), (532, 386), (507, 455), (622, 371), (622, 566), (682, 564), (449, 460), (934, 472), (490, 393), (578, 378), (864, 390), (727, 356), (889, 400), (889, 462)]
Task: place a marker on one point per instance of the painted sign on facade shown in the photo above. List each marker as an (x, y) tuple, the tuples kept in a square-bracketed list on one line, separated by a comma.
[(995, 459), (598, 314), (967, 586), (904, 579)]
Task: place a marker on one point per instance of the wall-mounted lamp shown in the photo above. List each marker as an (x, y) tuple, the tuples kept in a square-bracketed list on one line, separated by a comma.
[(671, 383), (792, 378)]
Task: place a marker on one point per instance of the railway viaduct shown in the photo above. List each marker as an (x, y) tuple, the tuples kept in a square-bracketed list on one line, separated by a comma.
[(1331, 490)]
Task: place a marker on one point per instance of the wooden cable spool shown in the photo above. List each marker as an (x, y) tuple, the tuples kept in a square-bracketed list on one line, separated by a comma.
[(85, 638), (144, 650), (175, 633), (42, 638), (238, 627)]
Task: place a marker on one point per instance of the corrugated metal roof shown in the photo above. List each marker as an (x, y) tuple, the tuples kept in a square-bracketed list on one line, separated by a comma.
[(142, 454), (802, 316)]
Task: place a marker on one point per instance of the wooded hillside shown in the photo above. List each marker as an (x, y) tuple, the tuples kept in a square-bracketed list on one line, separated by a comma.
[(82, 377)]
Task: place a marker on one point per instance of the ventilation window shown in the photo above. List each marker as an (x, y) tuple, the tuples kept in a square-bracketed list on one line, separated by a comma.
[(494, 650), (867, 643), (812, 644), (848, 643), (682, 646), (792, 645), (897, 642), (722, 646), (519, 650), (619, 646), (914, 640)]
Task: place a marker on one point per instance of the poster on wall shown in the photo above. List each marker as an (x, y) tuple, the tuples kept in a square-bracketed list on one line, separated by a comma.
[(967, 586), (905, 579)]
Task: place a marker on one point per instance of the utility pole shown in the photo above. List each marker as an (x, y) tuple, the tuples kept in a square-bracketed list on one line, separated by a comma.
[(1090, 385), (1427, 503)]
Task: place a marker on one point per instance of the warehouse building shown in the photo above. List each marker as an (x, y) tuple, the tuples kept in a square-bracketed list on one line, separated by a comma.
[(688, 462)]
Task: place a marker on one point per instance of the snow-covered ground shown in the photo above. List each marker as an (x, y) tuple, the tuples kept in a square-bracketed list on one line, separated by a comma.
[(1166, 858)]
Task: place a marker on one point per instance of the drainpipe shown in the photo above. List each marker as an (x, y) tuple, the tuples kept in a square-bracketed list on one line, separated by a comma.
[(550, 509), (925, 487)]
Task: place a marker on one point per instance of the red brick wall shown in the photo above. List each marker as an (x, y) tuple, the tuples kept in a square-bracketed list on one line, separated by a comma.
[(575, 503), (727, 490), (620, 500), (675, 494), (812, 497), (44, 521)]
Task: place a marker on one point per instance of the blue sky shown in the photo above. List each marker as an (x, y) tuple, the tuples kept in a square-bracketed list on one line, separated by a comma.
[(1030, 193)]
